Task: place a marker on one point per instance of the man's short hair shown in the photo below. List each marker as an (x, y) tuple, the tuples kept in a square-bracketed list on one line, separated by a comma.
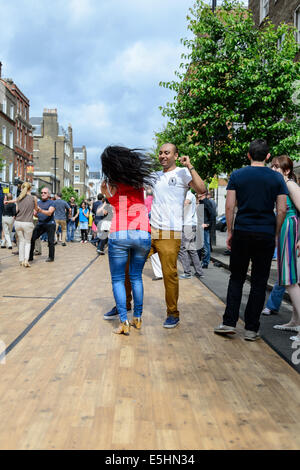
[(59, 194), (173, 145), (258, 150), (100, 197)]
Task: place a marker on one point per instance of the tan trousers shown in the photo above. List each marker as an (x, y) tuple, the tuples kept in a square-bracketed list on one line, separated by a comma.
[(63, 224), (167, 245)]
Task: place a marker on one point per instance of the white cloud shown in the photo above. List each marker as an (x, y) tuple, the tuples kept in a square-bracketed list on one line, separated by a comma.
[(145, 61)]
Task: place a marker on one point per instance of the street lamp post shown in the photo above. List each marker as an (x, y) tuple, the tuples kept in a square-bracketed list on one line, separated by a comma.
[(214, 5), (55, 167)]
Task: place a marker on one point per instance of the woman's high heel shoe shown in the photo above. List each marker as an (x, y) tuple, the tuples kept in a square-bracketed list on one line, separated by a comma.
[(136, 322), (123, 328)]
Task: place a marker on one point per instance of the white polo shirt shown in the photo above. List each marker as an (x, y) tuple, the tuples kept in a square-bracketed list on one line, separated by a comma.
[(169, 194)]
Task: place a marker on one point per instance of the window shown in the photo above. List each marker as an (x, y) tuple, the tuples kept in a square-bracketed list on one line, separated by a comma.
[(12, 111), (4, 171), (11, 139), (78, 156), (4, 106), (297, 24), (76, 179), (280, 42), (11, 172), (264, 9), (3, 137), (76, 167)]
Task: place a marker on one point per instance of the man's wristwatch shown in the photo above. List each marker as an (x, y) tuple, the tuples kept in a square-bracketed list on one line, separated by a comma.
[(192, 168)]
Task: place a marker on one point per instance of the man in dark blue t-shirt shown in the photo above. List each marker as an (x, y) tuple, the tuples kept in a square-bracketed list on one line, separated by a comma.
[(255, 190), (46, 224)]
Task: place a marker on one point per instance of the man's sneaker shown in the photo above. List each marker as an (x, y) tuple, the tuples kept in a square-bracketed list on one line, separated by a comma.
[(171, 322), (63, 244), (113, 313), (100, 252), (199, 276), (185, 276), (225, 330), (267, 311), (251, 335)]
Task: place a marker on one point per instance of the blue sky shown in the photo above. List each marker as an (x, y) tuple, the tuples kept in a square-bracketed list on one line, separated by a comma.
[(99, 62)]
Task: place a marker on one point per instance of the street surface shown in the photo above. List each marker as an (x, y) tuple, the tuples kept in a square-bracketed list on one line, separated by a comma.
[(68, 383)]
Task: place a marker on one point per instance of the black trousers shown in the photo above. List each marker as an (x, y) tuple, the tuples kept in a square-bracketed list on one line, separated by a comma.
[(84, 235), (38, 230), (259, 249)]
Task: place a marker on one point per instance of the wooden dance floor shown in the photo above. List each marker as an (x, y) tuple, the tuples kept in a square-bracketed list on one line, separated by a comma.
[(67, 382)]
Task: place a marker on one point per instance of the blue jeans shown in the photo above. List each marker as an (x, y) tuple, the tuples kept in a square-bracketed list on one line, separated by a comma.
[(275, 298), (136, 244), (206, 257), (70, 230)]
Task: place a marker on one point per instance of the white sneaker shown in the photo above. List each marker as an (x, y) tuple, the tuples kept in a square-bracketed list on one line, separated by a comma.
[(266, 311), (225, 330), (251, 335)]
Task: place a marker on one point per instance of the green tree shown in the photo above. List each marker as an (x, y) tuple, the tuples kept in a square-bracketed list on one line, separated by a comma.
[(235, 85), (68, 192)]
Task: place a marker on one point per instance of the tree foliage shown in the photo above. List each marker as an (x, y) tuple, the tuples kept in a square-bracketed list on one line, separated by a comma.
[(234, 85), (68, 192)]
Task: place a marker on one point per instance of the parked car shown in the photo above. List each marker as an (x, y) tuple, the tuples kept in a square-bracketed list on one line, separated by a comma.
[(221, 223)]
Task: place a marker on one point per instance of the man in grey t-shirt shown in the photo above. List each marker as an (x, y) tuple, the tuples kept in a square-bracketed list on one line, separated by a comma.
[(62, 208)]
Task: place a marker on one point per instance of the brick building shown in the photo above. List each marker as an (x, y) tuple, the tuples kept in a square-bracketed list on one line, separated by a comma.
[(7, 135), (278, 11), (52, 152), (81, 172), (16, 132)]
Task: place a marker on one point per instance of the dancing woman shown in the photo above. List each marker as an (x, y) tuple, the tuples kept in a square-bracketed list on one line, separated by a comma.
[(126, 172), (288, 242)]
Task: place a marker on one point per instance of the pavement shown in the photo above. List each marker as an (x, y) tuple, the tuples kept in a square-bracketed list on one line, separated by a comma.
[(217, 278)]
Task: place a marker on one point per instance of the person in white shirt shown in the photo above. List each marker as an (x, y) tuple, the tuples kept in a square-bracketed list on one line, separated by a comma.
[(169, 191), (188, 254)]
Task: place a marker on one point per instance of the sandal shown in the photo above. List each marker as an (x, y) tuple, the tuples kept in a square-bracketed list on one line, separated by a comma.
[(287, 328)]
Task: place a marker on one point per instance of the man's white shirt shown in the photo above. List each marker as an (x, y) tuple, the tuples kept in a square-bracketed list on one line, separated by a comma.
[(169, 193)]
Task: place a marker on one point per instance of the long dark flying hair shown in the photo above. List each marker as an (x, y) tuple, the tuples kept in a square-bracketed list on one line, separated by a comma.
[(127, 166)]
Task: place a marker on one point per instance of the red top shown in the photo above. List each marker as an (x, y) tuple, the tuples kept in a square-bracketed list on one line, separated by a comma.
[(148, 202), (130, 212)]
